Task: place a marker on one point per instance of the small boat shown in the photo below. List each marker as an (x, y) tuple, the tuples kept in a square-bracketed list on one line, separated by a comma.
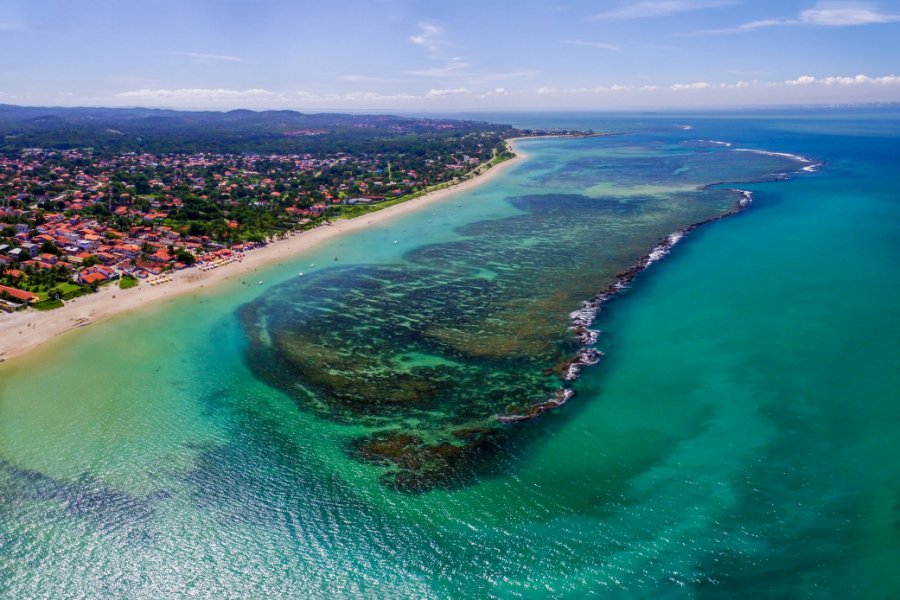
[(260, 282), (395, 241), (300, 274)]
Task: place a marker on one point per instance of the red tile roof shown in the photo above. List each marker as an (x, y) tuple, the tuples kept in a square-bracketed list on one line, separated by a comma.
[(17, 294)]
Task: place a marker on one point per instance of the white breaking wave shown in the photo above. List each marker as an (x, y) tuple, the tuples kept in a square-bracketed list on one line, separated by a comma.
[(796, 157), (811, 165), (585, 357), (661, 250)]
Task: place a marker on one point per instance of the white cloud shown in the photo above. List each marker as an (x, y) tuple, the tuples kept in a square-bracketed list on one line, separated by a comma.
[(705, 85), (452, 67), (804, 89), (856, 80), (804, 80), (201, 57), (429, 37), (699, 85), (824, 14), (588, 44), (447, 92), (496, 92), (427, 33), (765, 23), (659, 8), (353, 97), (742, 28), (198, 94), (596, 90), (837, 14), (709, 87)]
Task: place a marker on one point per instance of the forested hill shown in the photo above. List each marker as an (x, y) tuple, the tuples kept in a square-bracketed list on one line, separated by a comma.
[(117, 130)]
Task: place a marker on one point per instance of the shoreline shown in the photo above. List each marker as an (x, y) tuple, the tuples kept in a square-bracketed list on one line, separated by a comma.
[(22, 332)]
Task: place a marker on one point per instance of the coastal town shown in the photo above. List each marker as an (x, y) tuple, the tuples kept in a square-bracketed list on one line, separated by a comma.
[(72, 221)]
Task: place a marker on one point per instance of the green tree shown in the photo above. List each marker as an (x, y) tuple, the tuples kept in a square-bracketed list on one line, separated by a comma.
[(182, 255), (49, 248)]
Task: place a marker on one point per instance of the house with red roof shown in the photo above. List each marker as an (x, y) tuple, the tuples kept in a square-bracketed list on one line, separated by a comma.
[(49, 259), (17, 295), (91, 278), (161, 256)]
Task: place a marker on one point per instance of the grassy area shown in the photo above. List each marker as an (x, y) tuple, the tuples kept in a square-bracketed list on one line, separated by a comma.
[(48, 304), (127, 282), (70, 291), (65, 290), (348, 212)]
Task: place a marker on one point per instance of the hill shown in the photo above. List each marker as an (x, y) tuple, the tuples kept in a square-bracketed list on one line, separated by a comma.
[(118, 130)]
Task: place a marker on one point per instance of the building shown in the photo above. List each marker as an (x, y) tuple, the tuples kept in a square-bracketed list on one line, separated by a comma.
[(16, 295)]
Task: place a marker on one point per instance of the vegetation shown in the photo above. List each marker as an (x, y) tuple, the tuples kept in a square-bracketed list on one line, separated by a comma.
[(49, 304), (502, 154), (112, 131), (128, 282)]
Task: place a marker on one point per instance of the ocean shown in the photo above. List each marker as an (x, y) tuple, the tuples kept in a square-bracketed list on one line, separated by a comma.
[(485, 399)]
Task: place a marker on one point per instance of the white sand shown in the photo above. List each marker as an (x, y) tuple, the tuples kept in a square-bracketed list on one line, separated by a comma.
[(26, 330)]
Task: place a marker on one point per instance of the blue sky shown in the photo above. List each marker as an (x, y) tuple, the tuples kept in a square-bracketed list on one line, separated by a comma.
[(446, 55)]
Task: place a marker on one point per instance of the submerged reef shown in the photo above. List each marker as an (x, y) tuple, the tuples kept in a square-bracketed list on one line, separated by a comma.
[(438, 357)]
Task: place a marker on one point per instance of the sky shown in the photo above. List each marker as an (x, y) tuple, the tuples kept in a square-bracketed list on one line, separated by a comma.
[(439, 55)]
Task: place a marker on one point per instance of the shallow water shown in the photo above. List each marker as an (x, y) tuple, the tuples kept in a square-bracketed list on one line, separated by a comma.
[(737, 437), (428, 352)]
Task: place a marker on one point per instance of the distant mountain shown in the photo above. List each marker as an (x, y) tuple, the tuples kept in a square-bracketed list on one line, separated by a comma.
[(116, 130)]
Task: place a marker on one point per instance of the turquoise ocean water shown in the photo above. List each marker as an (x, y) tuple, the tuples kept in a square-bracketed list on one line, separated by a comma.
[(336, 434)]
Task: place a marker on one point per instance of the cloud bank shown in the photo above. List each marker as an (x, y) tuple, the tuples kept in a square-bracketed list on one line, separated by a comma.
[(805, 89)]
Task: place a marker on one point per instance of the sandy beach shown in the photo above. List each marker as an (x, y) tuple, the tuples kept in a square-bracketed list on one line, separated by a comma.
[(23, 331)]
